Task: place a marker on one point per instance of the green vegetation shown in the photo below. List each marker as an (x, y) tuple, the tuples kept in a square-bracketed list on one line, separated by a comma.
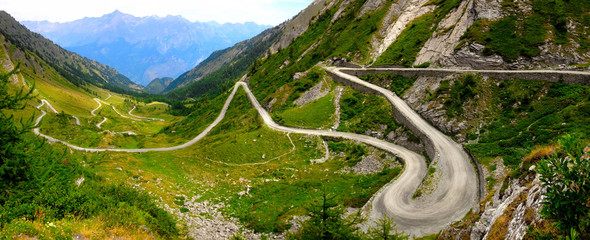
[(524, 121), (290, 92), (517, 115), (360, 111), (326, 222), (405, 48), (49, 194), (273, 203), (218, 81), (349, 37), (407, 45), (396, 83), (128, 133), (353, 152), (383, 230), (520, 34), (566, 176), (502, 39), (423, 65), (242, 151), (315, 114), (462, 90)]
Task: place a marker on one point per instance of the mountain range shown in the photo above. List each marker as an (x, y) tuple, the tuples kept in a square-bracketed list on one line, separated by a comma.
[(75, 68), (145, 48)]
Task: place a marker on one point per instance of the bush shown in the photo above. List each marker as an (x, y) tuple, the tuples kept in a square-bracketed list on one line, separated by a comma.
[(326, 222), (566, 177), (423, 65)]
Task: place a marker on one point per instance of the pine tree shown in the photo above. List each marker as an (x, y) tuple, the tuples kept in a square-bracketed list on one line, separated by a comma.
[(14, 167), (326, 222)]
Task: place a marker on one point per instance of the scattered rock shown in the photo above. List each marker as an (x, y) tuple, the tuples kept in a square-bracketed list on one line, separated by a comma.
[(205, 221), (78, 236), (299, 75), (314, 93), (79, 181)]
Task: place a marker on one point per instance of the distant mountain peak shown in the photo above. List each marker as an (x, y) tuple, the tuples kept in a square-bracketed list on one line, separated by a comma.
[(144, 48)]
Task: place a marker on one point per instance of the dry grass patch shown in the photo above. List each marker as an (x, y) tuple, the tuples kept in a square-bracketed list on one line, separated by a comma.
[(539, 153)]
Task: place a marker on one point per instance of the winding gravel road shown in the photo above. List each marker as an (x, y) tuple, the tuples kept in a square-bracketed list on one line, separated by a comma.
[(457, 188), (100, 123), (99, 105), (140, 117), (455, 194)]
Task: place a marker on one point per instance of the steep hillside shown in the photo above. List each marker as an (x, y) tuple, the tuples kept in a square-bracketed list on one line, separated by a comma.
[(229, 64), (73, 67), (49, 191), (504, 122), (144, 48), (471, 34), (222, 68), (158, 85)]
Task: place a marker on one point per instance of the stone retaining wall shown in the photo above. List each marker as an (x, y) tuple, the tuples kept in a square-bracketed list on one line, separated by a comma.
[(582, 78), (429, 146)]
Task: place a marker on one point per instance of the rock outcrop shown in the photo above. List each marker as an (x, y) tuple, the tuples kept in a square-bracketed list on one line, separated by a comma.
[(447, 36), (402, 13), (511, 211), (205, 221)]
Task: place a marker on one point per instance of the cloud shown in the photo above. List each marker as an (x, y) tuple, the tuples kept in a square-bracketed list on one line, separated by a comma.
[(260, 11)]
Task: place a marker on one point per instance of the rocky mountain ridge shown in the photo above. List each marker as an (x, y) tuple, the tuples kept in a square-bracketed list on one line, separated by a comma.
[(144, 48), (75, 68)]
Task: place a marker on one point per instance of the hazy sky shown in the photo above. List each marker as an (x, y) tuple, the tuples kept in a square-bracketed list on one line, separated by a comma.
[(270, 12)]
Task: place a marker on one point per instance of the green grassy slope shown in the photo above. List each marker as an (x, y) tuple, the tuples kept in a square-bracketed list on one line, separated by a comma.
[(242, 151), (49, 193)]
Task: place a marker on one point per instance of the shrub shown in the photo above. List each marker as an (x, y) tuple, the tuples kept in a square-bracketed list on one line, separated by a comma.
[(566, 177), (423, 65)]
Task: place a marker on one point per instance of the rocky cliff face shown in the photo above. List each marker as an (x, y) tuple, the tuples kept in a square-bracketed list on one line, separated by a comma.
[(291, 29), (433, 109), (448, 48), (505, 214)]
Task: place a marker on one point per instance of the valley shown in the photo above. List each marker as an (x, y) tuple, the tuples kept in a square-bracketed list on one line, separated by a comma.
[(391, 200)]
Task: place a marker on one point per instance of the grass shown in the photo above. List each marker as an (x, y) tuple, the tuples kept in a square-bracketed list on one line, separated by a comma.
[(520, 127), (63, 127), (361, 111), (349, 37), (219, 166), (405, 48), (502, 39), (46, 203), (316, 114), (94, 228), (61, 94), (462, 90)]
